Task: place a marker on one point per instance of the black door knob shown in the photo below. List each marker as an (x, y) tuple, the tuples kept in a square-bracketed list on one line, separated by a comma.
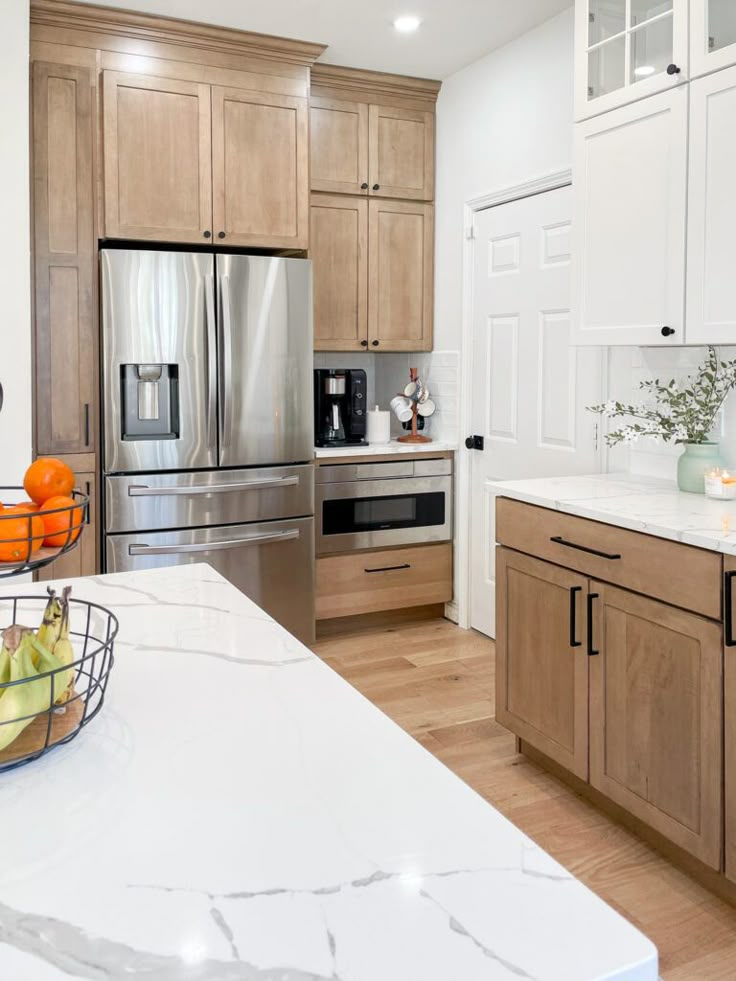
[(207, 234), (364, 343), (469, 443), (364, 186), (673, 69), (667, 331), (221, 235), (374, 343), (376, 187)]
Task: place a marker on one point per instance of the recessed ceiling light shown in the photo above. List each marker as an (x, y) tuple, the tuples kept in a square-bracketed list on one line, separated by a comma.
[(643, 70), (407, 24)]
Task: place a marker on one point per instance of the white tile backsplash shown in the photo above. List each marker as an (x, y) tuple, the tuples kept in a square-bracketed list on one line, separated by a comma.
[(439, 370)]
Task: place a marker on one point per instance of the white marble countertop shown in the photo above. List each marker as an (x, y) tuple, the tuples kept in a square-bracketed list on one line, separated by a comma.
[(238, 812), (645, 504), (379, 449)]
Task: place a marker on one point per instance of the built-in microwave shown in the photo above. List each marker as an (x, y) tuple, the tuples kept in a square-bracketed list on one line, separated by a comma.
[(377, 505)]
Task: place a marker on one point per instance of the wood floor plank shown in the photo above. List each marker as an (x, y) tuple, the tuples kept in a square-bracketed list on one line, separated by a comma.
[(436, 681)]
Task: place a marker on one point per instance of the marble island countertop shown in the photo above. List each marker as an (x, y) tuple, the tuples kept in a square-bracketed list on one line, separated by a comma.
[(644, 504), (380, 449), (238, 812)]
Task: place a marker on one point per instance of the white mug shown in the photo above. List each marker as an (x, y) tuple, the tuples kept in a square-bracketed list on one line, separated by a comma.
[(402, 408)]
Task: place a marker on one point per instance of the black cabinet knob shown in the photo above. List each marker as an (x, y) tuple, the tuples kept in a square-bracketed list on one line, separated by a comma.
[(667, 331), (364, 186), (376, 187), (364, 343), (207, 234), (374, 343), (221, 235), (673, 69)]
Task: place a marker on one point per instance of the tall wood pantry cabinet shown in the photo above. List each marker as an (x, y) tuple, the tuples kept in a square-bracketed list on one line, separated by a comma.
[(372, 216)]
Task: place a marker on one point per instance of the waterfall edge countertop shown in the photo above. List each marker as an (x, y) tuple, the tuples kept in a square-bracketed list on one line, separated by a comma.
[(645, 504), (237, 811)]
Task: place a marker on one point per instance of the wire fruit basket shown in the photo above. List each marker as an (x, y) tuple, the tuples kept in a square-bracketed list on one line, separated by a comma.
[(26, 545), (55, 724)]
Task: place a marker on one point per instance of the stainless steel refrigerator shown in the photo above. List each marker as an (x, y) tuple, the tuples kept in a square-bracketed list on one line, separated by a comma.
[(208, 420)]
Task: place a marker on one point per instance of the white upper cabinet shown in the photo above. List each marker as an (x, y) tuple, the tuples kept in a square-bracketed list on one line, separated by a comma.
[(627, 50), (711, 243), (630, 184), (712, 35)]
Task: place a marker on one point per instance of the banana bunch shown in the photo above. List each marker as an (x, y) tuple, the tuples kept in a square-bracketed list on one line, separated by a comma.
[(27, 657)]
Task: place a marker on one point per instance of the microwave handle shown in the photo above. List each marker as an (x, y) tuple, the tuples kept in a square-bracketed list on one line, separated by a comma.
[(280, 536), (143, 490)]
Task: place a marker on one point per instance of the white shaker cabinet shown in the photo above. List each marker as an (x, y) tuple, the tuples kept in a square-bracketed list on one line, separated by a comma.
[(627, 50), (711, 241), (712, 35), (630, 184)]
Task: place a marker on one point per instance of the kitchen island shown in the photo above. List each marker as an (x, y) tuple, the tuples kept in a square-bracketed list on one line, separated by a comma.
[(238, 811)]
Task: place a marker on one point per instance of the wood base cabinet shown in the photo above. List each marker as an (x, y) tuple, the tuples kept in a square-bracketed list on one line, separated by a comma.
[(82, 560), (729, 714)]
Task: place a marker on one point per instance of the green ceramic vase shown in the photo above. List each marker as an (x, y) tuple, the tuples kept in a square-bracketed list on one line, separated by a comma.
[(696, 461)]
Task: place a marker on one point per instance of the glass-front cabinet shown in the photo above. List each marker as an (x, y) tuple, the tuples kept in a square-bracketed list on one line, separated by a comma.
[(712, 35), (628, 49)]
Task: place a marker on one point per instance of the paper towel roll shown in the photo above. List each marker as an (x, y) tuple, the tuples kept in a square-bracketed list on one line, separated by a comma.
[(379, 427)]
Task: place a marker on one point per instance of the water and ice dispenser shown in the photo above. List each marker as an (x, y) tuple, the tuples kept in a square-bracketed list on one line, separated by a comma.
[(149, 395)]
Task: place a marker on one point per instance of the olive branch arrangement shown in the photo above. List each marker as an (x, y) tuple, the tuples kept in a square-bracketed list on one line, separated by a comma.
[(675, 413)]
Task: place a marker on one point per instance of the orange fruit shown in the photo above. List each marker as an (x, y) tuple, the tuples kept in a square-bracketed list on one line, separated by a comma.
[(59, 527), (25, 506), (48, 477), (16, 526)]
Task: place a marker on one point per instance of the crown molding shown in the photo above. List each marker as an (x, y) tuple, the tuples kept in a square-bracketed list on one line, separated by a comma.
[(361, 80), (168, 30)]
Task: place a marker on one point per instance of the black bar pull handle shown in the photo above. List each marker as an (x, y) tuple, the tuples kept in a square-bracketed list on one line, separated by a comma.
[(592, 652), (559, 540), (86, 423), (574, 590), (729, 639), (390, 568)]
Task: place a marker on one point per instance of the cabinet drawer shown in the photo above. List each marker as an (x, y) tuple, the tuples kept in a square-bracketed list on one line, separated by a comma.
[(679, 574), (386, 579)]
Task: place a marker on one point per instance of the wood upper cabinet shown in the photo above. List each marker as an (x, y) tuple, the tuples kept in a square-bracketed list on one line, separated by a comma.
[(656, 717), (157, 158), (260, 161), (338, 142), (541, 659), (64, 259), (339, 251), (400, 275), (401, 153)]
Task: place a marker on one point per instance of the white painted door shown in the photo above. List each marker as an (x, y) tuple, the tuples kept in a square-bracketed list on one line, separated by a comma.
[(530, 387), (630, 213), (711, 267), (712, 35)]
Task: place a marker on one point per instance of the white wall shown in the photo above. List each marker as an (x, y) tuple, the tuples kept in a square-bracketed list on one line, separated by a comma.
[(15, 289), (502, 120)]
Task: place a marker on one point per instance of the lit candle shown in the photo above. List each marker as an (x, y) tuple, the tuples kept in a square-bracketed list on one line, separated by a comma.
[(714, 484)]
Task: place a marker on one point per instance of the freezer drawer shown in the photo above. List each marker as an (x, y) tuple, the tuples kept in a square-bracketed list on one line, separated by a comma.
[(190, 500), (271, 562)]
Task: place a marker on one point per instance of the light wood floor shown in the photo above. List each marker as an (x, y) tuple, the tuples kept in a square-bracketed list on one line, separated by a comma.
[(436, 681)]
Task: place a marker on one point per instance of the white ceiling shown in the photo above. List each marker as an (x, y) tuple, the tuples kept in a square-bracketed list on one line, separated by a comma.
[(360, 35)]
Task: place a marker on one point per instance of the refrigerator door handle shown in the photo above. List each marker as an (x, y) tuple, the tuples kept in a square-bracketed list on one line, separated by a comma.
[(226, 361), (209, 309), (142, 490), (280, 536)]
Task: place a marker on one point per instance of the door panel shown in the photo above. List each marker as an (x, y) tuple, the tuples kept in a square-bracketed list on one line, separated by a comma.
[(541, 679), (630, 203), (260, 163), (400, 276), (157, 158), (64, 260), (266, 408), (401, 148), (656, 720), (338, 146), (530, 387), (339, 252), (711, 286)]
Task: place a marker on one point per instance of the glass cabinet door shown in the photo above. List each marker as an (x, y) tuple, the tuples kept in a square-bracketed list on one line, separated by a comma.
[(627, 49), (712, 35)]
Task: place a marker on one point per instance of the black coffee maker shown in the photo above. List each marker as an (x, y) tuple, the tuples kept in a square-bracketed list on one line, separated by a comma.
[(340, 400)]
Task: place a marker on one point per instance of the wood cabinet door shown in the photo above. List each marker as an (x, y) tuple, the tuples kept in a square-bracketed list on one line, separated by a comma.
[(260, 165), (541, 657), (338, 146), (339, 253), (711, 286), (729, 715), (630, 217), (656, 717), (64, 259), (401, 153), (400, 276), (82, 560), (157, 158)]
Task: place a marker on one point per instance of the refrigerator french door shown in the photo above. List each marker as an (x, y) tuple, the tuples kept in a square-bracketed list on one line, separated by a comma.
[(208, 420)]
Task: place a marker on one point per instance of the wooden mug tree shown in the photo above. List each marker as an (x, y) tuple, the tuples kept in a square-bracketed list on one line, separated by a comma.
[(414, 436)]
